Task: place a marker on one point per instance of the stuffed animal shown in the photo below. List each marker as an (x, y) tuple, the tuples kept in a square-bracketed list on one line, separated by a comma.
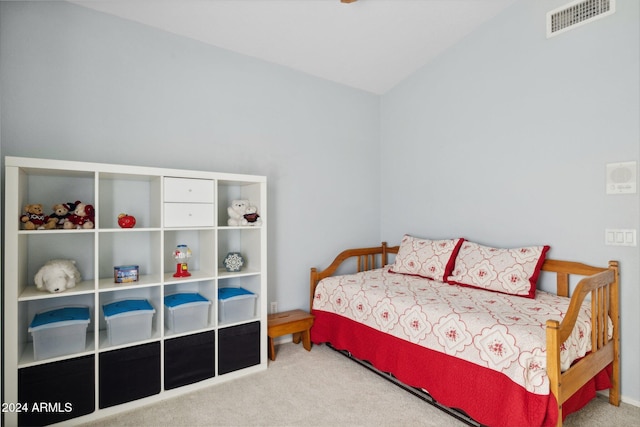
[(57, 275), (61, 211), (83, 216), (252, 217), (236, 212), (35, 219)]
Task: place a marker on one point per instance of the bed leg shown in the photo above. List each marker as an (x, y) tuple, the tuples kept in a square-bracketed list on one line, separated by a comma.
[(614, 400), (559, 421), (614, 391)]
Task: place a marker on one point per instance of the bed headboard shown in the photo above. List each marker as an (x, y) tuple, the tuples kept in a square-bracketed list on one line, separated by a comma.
[(366, 259)]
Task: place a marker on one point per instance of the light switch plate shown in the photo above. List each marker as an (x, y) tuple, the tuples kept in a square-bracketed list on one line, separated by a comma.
[(620, 237)]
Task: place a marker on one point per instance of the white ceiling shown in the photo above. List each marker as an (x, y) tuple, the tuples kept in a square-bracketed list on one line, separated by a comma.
[(370, 44)]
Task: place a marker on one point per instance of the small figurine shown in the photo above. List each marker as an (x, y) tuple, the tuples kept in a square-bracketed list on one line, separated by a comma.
[(126, 221), (181, 254)]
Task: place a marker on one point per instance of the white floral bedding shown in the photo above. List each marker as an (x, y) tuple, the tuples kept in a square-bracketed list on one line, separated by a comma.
[(501, 332)]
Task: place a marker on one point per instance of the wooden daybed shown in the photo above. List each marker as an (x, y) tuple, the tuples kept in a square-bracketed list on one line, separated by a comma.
[(485, 396)]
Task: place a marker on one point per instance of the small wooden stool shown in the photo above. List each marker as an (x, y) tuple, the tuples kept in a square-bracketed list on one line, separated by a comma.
[(296, 322)]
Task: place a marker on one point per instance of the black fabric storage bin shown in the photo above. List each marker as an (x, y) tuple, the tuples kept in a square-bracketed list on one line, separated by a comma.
[(189, 359), (239, 347), (57, 391), (128, 374)]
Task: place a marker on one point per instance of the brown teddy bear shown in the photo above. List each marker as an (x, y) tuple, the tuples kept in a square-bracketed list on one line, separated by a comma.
[(61, 211), (34, 219)]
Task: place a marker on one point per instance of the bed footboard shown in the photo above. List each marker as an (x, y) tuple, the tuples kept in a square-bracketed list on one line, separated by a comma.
[(601, 284)]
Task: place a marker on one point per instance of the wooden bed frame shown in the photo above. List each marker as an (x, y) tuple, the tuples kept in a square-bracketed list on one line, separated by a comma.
[(600, 283)]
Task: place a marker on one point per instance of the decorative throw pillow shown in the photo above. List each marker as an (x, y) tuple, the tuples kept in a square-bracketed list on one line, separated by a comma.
[(510, 271), (432, 259)]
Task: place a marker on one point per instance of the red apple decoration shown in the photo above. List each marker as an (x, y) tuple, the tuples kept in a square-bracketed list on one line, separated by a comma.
[(126, 221)]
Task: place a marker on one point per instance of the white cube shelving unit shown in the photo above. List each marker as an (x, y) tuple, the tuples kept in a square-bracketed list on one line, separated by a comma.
[(171, 207)]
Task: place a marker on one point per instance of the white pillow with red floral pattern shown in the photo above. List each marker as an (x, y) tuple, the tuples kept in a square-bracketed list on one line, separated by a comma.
[(432, 259), (509, 271)]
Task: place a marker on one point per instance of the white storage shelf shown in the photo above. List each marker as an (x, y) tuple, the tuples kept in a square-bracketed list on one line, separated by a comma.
[(171, 207)]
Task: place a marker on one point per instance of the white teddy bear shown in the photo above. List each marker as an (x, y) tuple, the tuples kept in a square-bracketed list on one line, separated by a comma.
[(251, 216), (236, 212), (57, 275)]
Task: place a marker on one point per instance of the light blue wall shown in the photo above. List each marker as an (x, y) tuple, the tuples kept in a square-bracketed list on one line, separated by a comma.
[(504, 139), (81, 85)]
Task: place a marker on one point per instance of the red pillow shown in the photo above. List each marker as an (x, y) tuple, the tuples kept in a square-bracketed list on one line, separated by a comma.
[(432, 259), (509, 271)]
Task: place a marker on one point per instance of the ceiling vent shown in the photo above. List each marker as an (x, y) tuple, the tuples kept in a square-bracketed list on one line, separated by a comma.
[(577, 13)]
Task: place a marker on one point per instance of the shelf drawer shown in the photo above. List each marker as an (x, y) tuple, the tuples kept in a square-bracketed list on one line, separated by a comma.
[(68, 383), (189, 359), (128, 374), (239, 347), (188, 190), (188, 215)]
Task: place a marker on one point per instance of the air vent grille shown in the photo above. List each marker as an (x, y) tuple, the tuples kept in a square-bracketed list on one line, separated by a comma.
[(577, 13)]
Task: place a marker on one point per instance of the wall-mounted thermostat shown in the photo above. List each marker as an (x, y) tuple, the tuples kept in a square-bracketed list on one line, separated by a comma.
[(621, 178)]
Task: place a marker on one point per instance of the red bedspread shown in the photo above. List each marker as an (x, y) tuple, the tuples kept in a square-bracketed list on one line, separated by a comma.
[(487, 395)]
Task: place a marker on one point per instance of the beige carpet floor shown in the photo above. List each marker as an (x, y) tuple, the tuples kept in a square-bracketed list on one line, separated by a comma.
[(321, 388)]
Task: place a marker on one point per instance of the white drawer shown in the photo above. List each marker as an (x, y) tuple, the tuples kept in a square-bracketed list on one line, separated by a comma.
[(188, 214), (188, 190)]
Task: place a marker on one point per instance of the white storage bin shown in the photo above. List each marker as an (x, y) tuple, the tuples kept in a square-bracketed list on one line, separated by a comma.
[(59, 332), (186, 311), (236, 305), (128, 320)]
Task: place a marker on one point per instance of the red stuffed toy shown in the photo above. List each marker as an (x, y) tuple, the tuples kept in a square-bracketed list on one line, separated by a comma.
[(82, 217)]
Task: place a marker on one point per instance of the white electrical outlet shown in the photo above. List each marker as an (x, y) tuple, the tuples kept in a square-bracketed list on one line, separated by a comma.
[(274, 307)]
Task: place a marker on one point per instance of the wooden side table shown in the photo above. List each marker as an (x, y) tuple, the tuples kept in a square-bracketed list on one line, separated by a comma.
[(296, 322)]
